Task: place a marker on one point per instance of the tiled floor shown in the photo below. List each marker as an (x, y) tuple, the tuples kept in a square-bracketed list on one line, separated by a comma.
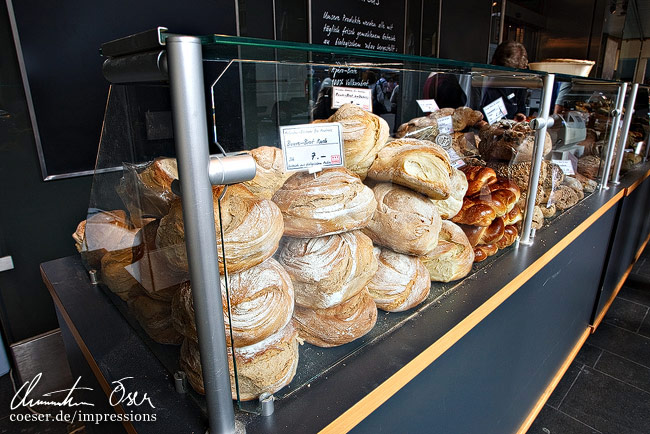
[(607, 387)]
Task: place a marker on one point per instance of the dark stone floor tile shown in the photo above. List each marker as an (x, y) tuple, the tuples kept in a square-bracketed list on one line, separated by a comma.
[(551, 421), (622, 342), (626, 314), (588, 355), (608, 405), (6, 393), (640, 289), (564, 385), (644, 330), (624, 370)]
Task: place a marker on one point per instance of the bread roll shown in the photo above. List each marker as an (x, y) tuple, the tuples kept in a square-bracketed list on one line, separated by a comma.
[(270, 174), (261, 302), (448, 208), (464, 117), (155, 318), (509, 237), (267, 366), (326, 203), (452, 258), (327, 271), (418, 164), (478, 178), (116, 277), (405, 221), (339, 324), (519, 173), (538, 218), (548, 210), (252, 230), (514, 216), (400, 283), (364, 135), (509, 140)]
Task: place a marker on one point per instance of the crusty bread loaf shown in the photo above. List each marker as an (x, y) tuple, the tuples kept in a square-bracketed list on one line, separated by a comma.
[(337, 325), (448, 208), (116, 277), (418, 164), (252, 230), (261, 302), (452, 258), (564, 197), (405, 221), (328, 270), (155, 318), (509, 140), (270, 174), (400, 283), (588, 185), (548, 210), (589, 166), (326, 203), (364, 135), (266, 366), (464, 117), (426, 127)]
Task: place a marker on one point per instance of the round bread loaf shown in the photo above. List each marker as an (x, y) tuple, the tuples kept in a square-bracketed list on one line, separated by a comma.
[(252, 230), (405, 221), (155, 318), (448, 208), (420, 165), (589, 166), (400, 283), (270, 174), (364, 135), (452, 258), (339, 324), (509, 140), (564, 198), (261, 302), (326, 271), (266, 366), (326, 203)]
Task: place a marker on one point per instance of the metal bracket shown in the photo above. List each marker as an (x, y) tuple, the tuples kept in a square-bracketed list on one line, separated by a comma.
[(539, 123), (144, 41), (231, 169)]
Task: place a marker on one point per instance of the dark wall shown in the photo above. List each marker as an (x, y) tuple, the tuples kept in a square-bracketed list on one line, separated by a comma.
[(465, 30)]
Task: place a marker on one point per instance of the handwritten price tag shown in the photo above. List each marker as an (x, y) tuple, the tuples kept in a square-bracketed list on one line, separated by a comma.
[(445, 125), (566, 166), (495, 111), (360, 96), (312, 146), (428, 105)]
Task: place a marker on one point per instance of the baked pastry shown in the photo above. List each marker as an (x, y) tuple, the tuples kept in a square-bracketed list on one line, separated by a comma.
[(418, 164), (422, 128), (364, 135), (261, 303), (553, 176), (464, 117), (405, 221), (588, 185), (548, 210), (155, 318), (252, 229), (116, 277), (478, 178), (509, 237), (519, 173), (508, 140), (484, 251), (452, 258), (267, 366), (400, 283), (573, 183), (589, 166), (325, 203), (537, 221), (564, 198), (270, 173), (337, 325), (146, 188), (494, 201), (328, 270), (448, 208), (485, 234), (514, 216)]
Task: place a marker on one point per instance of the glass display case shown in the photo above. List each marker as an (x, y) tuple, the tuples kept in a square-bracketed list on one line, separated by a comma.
[(381, 181)]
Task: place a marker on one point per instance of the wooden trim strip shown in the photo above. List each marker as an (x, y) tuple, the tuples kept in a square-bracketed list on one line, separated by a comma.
[(601, 315), (84, 349), (638, 182), (359, 411), (554, 382)]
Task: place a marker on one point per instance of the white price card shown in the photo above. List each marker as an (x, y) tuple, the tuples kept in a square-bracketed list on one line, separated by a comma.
[(445, 141), (445, 125), (360, 96), (566, 166), (495, 111), (312, 146), (428, 105)]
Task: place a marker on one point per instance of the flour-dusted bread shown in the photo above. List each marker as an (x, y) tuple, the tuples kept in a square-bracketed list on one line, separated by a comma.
[(400, 283), (448, 208), (337, 325), (266, 366), (261, 302), (155, 318), (252, 230), (453, 256), (326, 271), (418, 164), (325, 203), (364, 135), (270, 174), (405, 221)]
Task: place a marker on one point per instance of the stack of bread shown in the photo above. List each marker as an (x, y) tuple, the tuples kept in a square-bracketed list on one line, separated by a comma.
[(426, 127)]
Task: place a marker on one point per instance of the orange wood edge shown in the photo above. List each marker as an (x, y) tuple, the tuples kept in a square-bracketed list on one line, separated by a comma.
[(638, 182), (554, 382), (84, 349), (601, 315), (359, 411)]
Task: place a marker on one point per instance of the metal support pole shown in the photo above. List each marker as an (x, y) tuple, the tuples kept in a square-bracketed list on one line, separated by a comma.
[(540, 125), (620, 99), (629, 111), (191, 136)]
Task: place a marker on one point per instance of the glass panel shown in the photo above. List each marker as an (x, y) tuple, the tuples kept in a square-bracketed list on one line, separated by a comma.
[(637, 140)]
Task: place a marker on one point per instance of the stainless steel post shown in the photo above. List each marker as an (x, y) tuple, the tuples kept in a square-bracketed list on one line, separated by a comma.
[(540, 124), (620, 99), (191, 136), (627, 120)]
